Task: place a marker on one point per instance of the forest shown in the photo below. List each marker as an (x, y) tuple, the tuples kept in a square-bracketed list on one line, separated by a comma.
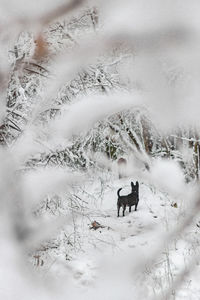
[(99, 107)]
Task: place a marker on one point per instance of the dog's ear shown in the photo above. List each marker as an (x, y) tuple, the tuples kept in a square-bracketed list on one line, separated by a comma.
[(137, 184)]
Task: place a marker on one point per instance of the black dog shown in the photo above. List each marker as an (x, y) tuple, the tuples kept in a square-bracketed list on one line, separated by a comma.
[(130, 199)]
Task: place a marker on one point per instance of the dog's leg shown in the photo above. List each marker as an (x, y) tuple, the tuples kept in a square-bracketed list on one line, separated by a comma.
[(124, 208), (118, 208), (130, 208), (136, 206)]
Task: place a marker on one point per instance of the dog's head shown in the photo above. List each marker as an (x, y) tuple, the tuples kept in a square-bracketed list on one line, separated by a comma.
[(135, 187)]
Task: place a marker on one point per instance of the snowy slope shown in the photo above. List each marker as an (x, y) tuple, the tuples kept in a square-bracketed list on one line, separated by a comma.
[(128, 257)]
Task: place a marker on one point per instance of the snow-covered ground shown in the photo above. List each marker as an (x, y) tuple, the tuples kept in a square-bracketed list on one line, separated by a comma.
[(129, 257)]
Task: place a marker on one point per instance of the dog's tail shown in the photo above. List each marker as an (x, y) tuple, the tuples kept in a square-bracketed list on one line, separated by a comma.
[(119, 192)]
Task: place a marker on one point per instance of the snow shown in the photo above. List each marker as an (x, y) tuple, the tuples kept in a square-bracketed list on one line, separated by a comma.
[(172, 173), (26, 8), (83, 114), (126, 258), (96, 93)]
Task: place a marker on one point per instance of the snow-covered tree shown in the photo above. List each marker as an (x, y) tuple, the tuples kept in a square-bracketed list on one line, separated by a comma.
[(86, 86)]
